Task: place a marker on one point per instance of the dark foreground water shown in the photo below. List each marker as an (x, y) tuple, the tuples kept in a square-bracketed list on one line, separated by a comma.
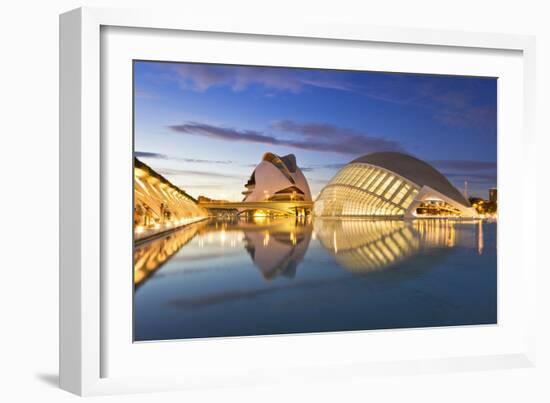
[(236, 278)]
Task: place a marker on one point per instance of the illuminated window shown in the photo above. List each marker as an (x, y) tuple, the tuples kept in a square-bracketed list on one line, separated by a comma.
[(402, 192), (410, 198), (373, 177), (393, 188), (384, 185), (368, 174), (376, 182)]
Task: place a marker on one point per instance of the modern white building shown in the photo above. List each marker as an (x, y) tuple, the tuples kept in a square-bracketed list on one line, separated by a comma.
[(159, 205), (391, 184), (277, 179)]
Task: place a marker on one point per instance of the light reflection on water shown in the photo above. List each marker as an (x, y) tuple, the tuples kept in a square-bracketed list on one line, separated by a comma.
[(149, 256), (270, 276)]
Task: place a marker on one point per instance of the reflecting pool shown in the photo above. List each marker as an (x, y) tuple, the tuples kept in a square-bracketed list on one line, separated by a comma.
[(239, 277)]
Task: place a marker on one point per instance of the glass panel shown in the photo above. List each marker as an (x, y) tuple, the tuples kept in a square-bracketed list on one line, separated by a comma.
[(366, 174), (393, 188), (409, 199), (372, 177), (376, 182), (342, 200), (384, 185), (399, 196)]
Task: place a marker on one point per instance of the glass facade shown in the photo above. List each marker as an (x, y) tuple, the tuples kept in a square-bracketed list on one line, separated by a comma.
[(360, 189)]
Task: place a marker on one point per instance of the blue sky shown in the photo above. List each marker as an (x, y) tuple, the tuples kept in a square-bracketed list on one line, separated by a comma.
[(205, 127)]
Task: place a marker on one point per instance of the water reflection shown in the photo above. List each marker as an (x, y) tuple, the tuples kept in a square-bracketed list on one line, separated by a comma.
[(363, 246), (150, 256), (369, 245), (272, 276), (277, 246), (278, 250)]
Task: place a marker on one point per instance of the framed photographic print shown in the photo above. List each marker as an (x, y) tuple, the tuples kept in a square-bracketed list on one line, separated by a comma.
[(246, 201)]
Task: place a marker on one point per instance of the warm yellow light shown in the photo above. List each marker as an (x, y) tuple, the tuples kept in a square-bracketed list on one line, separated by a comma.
[(293, 238), (139, 229), (260, 219)]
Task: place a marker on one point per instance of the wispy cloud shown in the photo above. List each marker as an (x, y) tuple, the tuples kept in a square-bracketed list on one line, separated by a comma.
[(473, 171), (146, 154), (464, 165), (140, 93), (316, 167), (308, 136), (188, 172), (473, 177), (330, 84), (202, 77), (470, 116), (320, 181), (456, 107), (339, 139)]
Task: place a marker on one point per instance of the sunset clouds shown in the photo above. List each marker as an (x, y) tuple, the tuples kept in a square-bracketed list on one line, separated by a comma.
[(321, 137), (207, 126)]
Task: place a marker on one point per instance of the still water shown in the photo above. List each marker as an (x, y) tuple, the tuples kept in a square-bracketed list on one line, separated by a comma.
[(272, 276)]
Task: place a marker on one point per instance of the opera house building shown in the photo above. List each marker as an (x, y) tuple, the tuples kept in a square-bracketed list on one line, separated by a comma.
[(390, 184), (277, 179)]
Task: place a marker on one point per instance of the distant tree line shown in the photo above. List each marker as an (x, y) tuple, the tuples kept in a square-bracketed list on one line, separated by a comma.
[(483, 206)]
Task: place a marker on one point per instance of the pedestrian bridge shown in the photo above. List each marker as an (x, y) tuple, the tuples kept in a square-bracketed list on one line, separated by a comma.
[(293, 207)]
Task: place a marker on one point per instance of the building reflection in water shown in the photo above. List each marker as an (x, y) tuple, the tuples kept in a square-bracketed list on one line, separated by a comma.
[(277, 246), (150, 256), (369, 245)]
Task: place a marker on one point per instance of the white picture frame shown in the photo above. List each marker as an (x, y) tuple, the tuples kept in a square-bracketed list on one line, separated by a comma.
[(86, 308)]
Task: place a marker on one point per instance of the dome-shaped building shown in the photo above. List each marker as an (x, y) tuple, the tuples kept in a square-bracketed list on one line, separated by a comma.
[(277, 179), (390, 184)]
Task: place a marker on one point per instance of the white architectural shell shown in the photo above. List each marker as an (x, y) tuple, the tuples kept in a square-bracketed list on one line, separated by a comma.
[(277, 178), (388, 184)]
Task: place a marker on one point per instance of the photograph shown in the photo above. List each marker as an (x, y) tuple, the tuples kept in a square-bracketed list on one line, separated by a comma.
[(272, 200)]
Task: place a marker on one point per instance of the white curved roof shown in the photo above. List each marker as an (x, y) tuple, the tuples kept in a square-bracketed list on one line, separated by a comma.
[(274, 174), (415, 170)]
